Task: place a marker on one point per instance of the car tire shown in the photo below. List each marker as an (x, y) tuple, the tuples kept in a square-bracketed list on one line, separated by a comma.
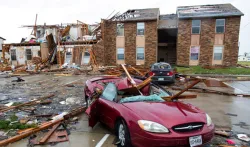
[(123, 135)]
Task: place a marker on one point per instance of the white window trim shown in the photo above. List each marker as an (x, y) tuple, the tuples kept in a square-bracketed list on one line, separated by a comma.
[(11, 54), (222, 58), (137, 29), (195, 27), (117, 54), (144, 53), (198, 53), (220, 26), (26, 53), (123, 30)]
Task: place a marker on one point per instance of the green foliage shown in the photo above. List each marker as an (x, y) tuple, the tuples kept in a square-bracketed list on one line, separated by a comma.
[(13, 118), (245, 63), (226, 71)]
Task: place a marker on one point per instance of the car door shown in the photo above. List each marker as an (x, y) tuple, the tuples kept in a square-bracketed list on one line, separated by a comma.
[(93, 113), (106, 105)]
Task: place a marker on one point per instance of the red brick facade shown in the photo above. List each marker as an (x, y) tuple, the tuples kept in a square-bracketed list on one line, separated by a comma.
[(130, 32), (207, 38)]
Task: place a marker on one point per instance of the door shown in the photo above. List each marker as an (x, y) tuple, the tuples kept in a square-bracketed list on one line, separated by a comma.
[(93, 114), (21, 56), (106, 105)]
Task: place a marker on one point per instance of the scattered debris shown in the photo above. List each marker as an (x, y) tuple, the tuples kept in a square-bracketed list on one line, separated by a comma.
[(231, 114), (243, 137)]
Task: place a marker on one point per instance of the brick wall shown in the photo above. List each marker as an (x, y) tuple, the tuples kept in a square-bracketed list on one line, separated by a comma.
[(183, 42), (207, 41), (98, 49), (151, 42), (130, 42), (207, 37), (109, 43), (231, 48)]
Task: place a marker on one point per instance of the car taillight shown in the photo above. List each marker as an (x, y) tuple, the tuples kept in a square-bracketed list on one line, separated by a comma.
[(170, 73), (151, 73)]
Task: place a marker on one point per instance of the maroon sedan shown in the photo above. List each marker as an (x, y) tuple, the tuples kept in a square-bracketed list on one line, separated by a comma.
[(146, 120)]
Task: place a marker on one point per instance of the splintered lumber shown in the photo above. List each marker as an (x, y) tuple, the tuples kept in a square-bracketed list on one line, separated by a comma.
[(140, 73), (184, 90), (44, 126), (145, 82), (46, 137), (28, 103), (169, 98), (128, 75)]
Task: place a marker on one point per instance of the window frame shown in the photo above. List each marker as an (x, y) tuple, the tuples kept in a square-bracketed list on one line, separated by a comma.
[(221, 52), (196, 26), (137, 28), (123, 53), (117, 29), (198, 52), (220, 26), (143, 54), (27, 54), (11, 54)]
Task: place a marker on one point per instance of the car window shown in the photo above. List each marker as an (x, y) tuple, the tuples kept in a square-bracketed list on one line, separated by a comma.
[(110, 92), (141, 98), (158, 91), (161, 66)]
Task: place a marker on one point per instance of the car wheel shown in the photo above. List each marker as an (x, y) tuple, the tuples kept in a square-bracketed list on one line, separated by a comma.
[(123, 135)]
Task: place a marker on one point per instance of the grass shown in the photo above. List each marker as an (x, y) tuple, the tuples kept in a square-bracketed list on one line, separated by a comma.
[(245, 63), (225, 71)]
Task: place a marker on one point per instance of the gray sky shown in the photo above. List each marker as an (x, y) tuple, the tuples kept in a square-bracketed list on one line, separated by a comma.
[(15, 13)]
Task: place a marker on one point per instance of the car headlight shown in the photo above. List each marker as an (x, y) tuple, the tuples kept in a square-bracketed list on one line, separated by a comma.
[(209, 120), (152, 126)]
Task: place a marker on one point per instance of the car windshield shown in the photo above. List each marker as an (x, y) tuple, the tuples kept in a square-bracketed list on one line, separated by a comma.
[(141, 98), (161, 66)]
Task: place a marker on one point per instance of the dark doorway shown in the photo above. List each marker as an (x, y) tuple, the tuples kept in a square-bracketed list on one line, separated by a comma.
[(167, 45)]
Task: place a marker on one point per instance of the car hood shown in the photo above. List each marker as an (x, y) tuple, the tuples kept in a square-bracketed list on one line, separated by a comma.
[(168, 114)]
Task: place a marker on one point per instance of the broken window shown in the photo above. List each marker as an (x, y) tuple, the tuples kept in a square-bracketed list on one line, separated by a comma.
[(218, 52), (28, 54), (120, 29), (13, 55), (194, 52), (140, 28), (196, 24), (120, 53), (140, 53), (110, 92), (220, 25)]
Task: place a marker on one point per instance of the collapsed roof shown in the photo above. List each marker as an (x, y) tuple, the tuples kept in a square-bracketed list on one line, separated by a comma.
[(137, 15), (218, 10), (167, 21)]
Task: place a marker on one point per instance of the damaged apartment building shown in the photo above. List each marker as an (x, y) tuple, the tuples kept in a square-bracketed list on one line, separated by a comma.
[(195, 35), (75, 41)]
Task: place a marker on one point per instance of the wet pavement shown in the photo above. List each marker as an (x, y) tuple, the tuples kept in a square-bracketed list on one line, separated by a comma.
[(217, 106)]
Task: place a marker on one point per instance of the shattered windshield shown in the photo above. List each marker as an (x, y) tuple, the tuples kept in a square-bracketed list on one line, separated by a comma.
[(141, 98)]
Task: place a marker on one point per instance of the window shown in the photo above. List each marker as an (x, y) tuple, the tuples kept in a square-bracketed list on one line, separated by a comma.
[(13, 55), (220, 25), (120, 53), (120, 29), (194, 52), (140, 53), (28, 54), (110, 92), (196, 25), (86, 57), (140, 28), (218, 51)]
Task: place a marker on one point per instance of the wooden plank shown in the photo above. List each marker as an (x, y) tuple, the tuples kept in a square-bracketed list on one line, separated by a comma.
[(28, 103), (180, 97), (51, 131)]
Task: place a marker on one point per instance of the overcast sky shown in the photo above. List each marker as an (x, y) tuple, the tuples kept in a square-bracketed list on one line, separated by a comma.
[(15, 13)]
